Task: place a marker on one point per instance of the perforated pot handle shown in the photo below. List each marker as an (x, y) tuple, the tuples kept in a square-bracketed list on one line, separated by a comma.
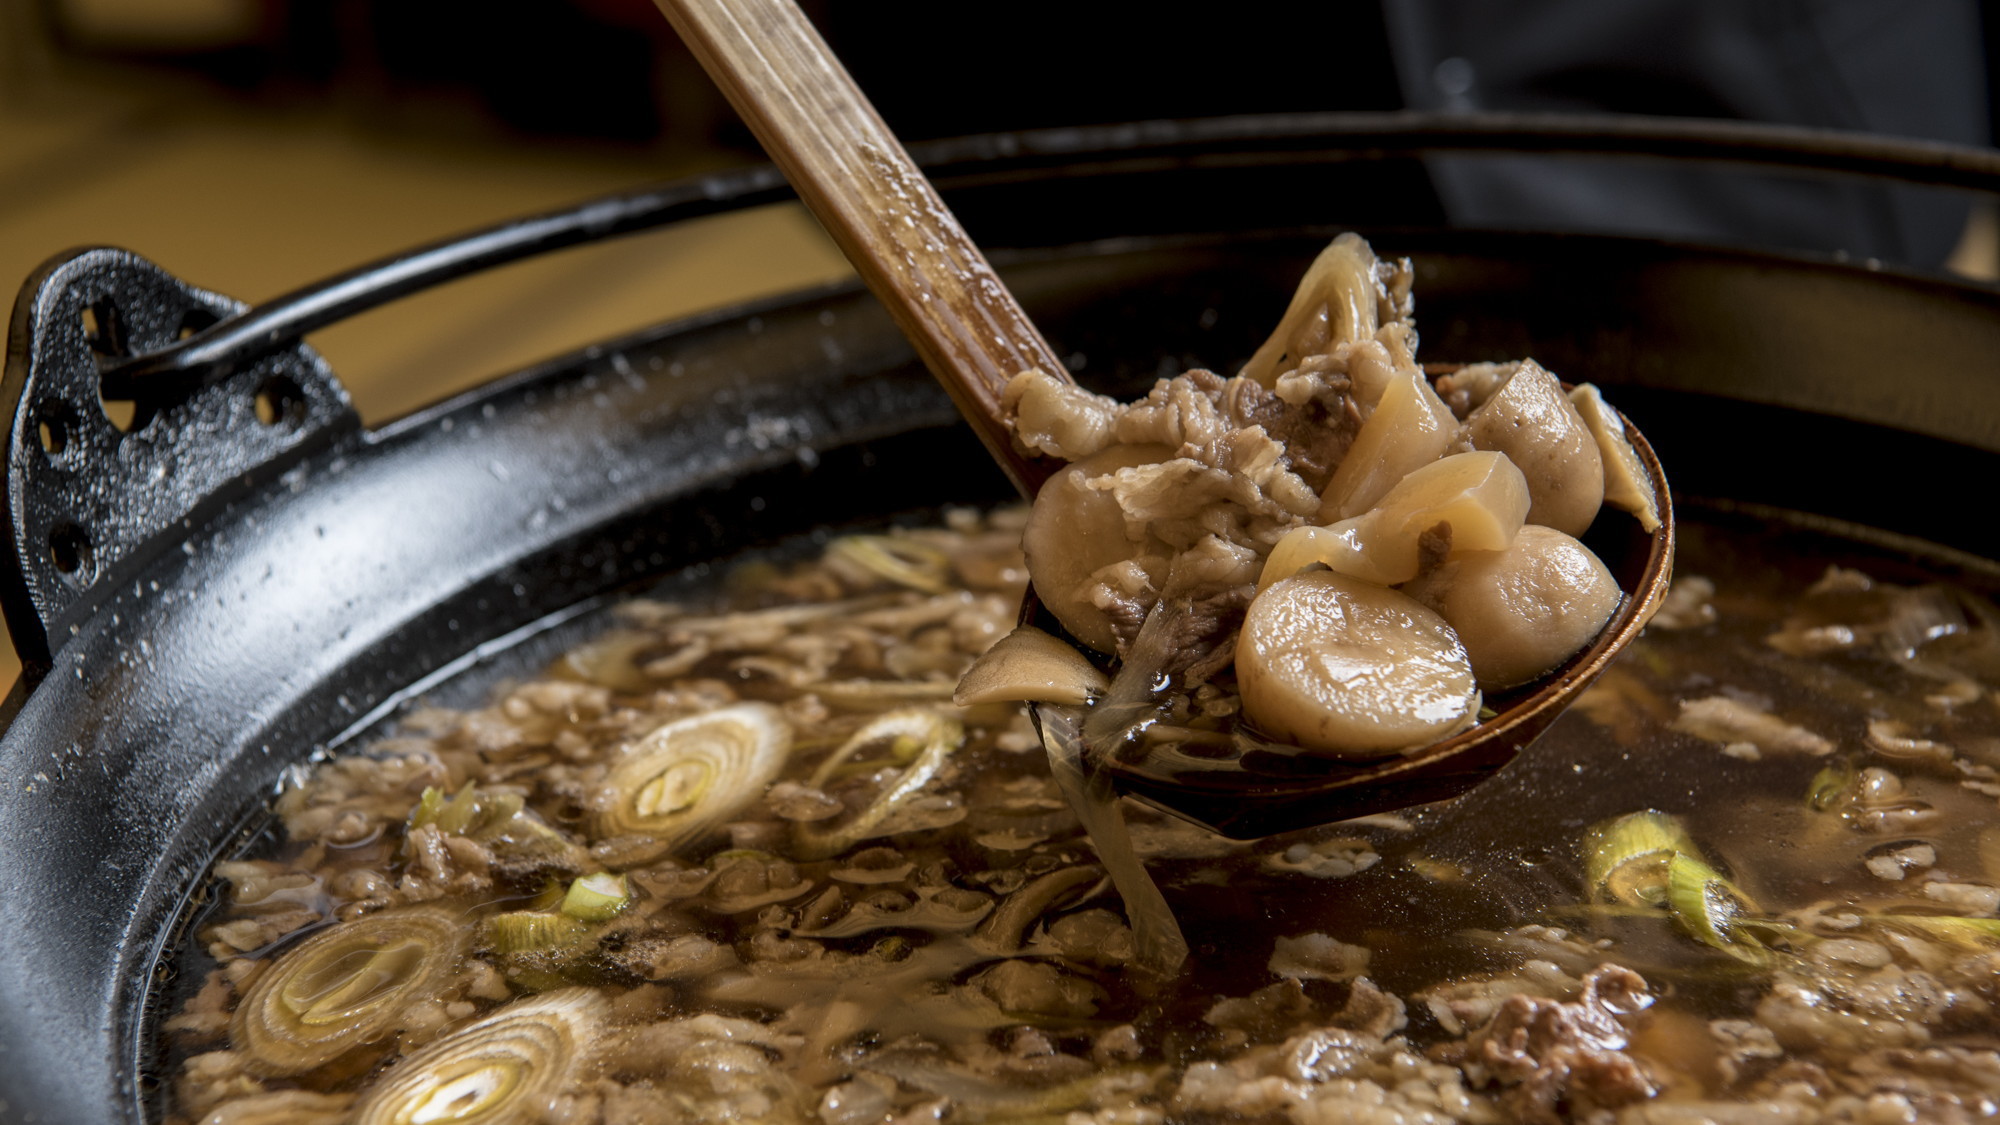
[(88, 502), (224, 398)]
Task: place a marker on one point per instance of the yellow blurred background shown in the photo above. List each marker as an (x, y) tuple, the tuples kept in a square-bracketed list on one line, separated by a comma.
[(255, 195)]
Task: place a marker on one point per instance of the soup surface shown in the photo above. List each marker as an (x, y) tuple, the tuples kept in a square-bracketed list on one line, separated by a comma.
[(739, 858)]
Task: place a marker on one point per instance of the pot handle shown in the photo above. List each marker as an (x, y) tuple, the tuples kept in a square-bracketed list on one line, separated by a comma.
[(89, 500)]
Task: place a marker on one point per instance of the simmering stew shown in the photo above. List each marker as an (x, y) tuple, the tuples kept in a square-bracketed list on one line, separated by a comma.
[(740, 858)]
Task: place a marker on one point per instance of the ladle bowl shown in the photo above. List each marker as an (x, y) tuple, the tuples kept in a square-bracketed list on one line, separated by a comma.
[(1251, 788)]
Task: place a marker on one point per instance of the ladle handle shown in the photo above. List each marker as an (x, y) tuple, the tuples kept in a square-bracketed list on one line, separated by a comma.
[(881, 210)]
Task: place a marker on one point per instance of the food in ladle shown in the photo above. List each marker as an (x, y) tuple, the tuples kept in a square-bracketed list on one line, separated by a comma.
[(1524, 414), (1523, 609), (1079, 534), (1410, 428), (1627, 485), (1185, 511), (1466, 504)]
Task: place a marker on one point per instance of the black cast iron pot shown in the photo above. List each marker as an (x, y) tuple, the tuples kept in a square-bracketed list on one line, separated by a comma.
[(248, 577)]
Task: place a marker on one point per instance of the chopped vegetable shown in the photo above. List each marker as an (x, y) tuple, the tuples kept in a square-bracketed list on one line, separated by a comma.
[(1966, 932), (531, 931), (1831, 786), (467, 812), (1157, 942), (1711, 909), (1480, 497), (597, 898), (689, 776), (504, 1068), (1029, 665), (920, 737), (344, 987), (1625, 860), (901, 560), (1335, 664), (1627, 485), (1524, 609)]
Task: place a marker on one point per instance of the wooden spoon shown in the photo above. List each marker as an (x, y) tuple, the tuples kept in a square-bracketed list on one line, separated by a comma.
[(878, 206), (881, 210)]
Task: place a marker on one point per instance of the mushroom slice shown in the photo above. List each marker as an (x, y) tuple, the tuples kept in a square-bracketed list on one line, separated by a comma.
[(1627, 484), (612, 660), (506, 1068), (920, 737), (1523, 610), (1481, 497), (747, 879), (1331, 663), (1074, 531), (344, 987), (1029, 665), (1410, 428), (1532, 422), (691, 775)]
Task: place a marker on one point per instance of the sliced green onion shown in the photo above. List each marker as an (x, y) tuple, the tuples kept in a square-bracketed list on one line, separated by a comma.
[(1711, 909), (1626, 859), (427, 808), (345, 986), (1830, 786), (613, 660), (531, 931), (465, 813), (1158, 944), (921, 737), (550, 896), (597, 898), (689, 776), (508, 1067), (457, 815)]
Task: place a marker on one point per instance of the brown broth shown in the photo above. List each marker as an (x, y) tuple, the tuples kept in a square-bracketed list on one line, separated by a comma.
[(1444, 901)]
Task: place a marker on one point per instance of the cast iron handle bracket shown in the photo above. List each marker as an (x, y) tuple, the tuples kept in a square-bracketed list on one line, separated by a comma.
[(87, 503)]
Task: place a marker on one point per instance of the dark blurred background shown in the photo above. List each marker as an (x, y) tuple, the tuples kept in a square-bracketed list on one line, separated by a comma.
[(606, 82)]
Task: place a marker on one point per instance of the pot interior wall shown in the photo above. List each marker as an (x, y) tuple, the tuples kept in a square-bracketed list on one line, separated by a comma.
[(301, 617)]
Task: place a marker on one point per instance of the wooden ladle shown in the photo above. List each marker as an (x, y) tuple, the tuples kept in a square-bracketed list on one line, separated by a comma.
[(881, 210)]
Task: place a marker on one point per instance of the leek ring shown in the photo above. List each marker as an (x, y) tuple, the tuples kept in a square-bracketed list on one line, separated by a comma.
[(344, 987)]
